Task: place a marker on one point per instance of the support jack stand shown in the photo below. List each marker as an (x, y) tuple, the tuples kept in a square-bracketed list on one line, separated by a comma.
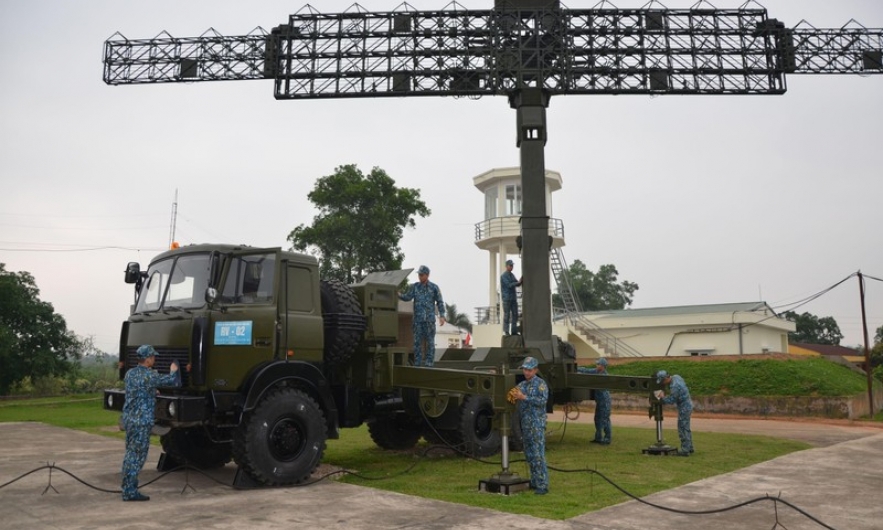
[(660, 447), (505, 482)]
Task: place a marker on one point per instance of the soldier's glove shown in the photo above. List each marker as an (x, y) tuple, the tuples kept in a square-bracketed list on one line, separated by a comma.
[(511, 396)]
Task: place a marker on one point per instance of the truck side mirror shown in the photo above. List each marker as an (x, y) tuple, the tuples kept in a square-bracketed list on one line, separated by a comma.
[(211, 295), (133, 272)]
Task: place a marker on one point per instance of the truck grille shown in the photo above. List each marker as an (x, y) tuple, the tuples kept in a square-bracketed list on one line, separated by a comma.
[(164, 358)]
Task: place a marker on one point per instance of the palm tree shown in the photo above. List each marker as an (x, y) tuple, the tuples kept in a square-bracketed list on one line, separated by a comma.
[(459, 320)]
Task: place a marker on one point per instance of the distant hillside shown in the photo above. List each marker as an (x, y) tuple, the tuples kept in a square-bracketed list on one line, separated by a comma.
[(747, 377)]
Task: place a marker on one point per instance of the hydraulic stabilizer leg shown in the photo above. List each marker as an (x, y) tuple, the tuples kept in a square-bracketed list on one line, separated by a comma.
[(660, 447), (505, 482)]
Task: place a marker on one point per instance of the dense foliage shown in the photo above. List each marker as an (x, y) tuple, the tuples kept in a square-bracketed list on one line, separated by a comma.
[(597, 291), (813, 330), (34, 339), (360, 223)]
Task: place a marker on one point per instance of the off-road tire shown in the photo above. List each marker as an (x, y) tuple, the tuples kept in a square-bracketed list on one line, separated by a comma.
[(195, 447), (282, 440), (395, 431), (477, 432), (340, 343)]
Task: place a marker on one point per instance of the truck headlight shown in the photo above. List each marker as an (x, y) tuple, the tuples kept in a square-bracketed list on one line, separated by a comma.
[(172, 409)]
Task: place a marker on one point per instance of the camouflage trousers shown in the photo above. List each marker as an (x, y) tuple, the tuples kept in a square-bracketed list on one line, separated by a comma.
[(424, 343), (602, 420), (510, 316), (534, 438), (684, 432), (137, 445)]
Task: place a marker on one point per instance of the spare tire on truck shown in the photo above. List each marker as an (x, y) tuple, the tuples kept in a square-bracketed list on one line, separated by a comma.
[(344, 322)]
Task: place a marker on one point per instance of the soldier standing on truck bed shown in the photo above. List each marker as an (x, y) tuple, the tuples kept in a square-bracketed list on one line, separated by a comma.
[(509, 296), (427, 297)]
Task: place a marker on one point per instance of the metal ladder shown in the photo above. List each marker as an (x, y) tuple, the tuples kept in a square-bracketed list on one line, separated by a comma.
[(610, 344)]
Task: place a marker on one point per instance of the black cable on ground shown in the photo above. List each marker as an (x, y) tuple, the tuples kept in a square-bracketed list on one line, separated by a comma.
[(425, 452), (695, 512)]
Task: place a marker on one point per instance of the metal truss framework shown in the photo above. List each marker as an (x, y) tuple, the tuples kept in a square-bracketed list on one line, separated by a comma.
[(525, 53), (502, 51)]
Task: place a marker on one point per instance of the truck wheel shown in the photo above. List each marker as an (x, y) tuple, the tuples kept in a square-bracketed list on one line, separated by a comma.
[(477, 426), (395, 432), (341, 334), (282, 440), (195, 446)]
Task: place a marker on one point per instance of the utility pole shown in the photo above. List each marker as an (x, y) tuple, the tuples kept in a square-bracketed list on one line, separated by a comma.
[(861, 291), (174, 222)]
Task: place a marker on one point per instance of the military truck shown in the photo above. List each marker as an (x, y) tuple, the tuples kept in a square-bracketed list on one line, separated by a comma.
[(275, 361)]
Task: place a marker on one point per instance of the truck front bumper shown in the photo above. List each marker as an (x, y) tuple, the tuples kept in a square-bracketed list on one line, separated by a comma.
[(171, 410)]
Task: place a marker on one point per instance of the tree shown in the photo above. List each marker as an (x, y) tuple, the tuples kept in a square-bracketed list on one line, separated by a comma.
[(34, 340), (876, 352), (459, 320), (360, 223), (598, 291), (813, 330)]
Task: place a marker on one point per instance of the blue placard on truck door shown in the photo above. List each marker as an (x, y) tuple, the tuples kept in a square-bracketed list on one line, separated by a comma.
[(233, 333)]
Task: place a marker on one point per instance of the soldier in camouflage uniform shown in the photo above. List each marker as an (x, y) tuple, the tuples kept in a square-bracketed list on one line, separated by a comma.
[(679, 395), (532, 395), (602, 404), (141, 384), (509, 296), (427, 298)]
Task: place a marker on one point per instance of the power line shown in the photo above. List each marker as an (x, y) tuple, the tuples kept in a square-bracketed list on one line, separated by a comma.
[(92, 249)]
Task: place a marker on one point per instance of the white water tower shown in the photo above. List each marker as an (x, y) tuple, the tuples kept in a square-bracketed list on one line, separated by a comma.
[(498, 234)]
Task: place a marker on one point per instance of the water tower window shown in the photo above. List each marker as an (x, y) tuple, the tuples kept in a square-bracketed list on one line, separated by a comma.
[(490, 203), (513, 199)]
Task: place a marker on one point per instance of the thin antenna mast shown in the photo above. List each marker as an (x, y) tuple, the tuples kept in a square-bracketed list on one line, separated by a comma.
[(174, 220)]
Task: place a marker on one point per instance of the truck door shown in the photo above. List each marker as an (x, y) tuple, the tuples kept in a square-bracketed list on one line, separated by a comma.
[(301, 314)]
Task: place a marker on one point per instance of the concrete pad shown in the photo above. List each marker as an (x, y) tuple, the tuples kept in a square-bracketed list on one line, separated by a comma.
[(837, 484)]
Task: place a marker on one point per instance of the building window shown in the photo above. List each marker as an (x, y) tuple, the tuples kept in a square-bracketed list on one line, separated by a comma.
[(490, 203), (513, 199)]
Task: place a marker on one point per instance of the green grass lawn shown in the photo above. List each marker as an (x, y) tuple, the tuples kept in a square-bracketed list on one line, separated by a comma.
[(574, 489), (810, 376), (440, 474)]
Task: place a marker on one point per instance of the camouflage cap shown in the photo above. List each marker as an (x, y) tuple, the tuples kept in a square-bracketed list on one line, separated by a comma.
[(510, 262), (661, 376), (423, 270), (530, 363), (145, 351), (601, 361)]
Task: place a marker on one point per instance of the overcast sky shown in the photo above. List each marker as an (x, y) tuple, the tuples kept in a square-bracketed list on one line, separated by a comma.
[(698, 199)]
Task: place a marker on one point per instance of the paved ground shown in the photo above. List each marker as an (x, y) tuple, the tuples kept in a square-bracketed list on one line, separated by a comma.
[(838, 482)]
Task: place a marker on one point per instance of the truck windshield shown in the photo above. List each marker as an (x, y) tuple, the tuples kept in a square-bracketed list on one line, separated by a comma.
[(175, 283)]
